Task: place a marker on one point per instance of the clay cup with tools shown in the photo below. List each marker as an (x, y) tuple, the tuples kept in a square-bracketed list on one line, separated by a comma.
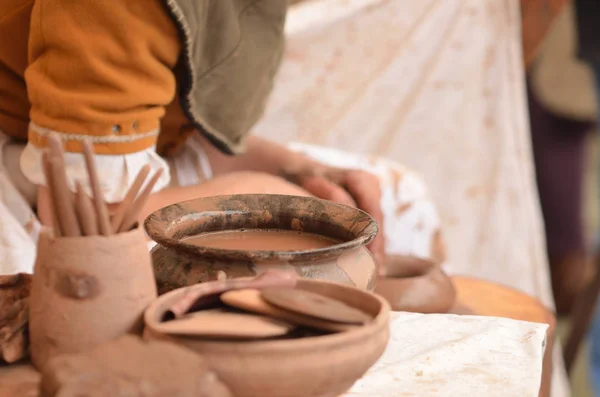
[(93, 275)]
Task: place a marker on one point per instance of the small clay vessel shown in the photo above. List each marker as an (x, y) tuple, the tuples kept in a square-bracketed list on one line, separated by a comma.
[(461, 309), (400, 266), (179, 263), (428, 290), (320, 366), (86, 291)]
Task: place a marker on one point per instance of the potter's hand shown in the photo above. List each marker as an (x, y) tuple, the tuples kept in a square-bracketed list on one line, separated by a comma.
[(351, 187)]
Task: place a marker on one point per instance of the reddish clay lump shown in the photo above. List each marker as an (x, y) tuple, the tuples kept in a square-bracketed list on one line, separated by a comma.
[(132, 367), (14, 314)]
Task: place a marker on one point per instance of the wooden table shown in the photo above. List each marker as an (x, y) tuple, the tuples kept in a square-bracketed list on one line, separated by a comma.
[(489, 299), (482, 297)]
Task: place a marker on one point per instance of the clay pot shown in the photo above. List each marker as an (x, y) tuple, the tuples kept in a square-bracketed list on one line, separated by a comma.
[(178, 263), (416, 285), (321, 366), (86, 291)]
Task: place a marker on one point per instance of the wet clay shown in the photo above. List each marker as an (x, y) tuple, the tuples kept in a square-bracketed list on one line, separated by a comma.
[(432, 292), (77, 286), (130, 366), (261, 240), (14, 316)]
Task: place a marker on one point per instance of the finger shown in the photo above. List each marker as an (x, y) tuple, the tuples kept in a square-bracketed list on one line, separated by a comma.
[(367, 193), (366, 190), (325, 189)]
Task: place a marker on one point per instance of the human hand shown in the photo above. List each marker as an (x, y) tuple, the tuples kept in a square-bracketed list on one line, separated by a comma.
[(356, 188)]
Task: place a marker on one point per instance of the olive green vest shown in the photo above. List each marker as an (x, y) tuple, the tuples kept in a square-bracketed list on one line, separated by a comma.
[(231, 52)]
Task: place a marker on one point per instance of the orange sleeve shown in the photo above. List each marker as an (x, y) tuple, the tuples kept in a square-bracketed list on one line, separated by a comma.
[(100, 69)]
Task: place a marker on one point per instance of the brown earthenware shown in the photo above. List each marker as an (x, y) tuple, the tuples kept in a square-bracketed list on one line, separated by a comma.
[(314, 305), (319, 366), (178, 263), (425, 289), (86, 291), (251, 301), (14, 316), (401, 266), (128, 367), (222, 324)]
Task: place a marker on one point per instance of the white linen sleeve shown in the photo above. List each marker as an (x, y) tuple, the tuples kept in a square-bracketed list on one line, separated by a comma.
[(116, 172)]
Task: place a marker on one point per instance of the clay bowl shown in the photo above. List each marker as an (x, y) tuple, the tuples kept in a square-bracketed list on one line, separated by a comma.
[(321, 366), (177, 263), (416, 285)]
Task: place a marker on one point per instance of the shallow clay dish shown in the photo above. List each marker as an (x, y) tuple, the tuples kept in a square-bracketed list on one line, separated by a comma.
[(320, 366), (179, 263)]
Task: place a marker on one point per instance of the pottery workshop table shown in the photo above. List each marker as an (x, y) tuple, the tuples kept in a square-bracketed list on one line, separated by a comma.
[(431, 355), (490, 354), (449, 355), (485, 298), (428, 355)]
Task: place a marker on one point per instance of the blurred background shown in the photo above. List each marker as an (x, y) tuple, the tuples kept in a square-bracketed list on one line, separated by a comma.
[(494, 103)]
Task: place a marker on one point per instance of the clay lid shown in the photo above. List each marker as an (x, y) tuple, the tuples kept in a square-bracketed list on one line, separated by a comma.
[(251, 300), (315, 305), (220, 324), (170, 225)]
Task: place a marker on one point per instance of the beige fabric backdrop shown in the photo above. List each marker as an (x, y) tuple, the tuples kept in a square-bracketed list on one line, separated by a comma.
[(437, 85)]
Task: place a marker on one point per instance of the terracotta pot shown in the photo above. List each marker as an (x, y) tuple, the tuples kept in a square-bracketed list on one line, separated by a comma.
[(322, 366), (416, 285), (86, 291), (178, 263)]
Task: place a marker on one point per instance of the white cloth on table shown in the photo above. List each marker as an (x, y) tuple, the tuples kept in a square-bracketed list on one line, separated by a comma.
[(455, 356)]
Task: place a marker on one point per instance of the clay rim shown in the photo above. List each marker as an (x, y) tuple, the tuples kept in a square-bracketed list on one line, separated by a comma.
[(169, 225), (156, 310)]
